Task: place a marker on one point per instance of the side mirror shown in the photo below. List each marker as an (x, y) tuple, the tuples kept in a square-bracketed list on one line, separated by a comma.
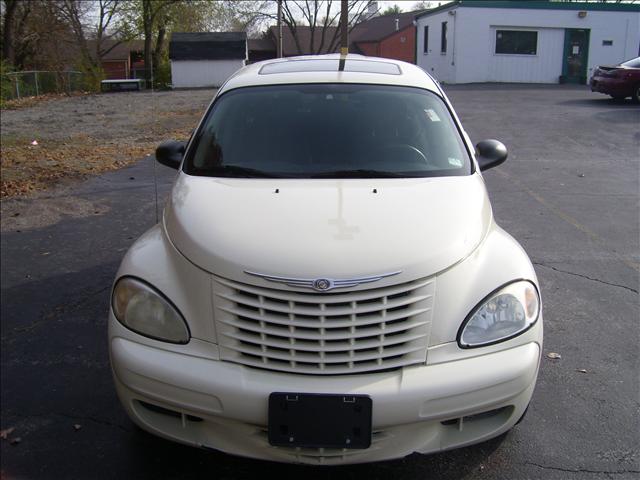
[(490, 153), (170, 153)]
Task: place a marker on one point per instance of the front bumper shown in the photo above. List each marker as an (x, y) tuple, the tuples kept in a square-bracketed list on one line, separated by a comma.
[(214, 404)]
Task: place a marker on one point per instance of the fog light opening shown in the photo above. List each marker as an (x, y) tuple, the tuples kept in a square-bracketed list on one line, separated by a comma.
[(487, 414), (160, 410), (459, 422), (184, 418)]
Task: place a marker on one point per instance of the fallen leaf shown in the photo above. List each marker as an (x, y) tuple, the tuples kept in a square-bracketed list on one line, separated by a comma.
[(554, 355), (15, 441), (77, 427), (6, 432)]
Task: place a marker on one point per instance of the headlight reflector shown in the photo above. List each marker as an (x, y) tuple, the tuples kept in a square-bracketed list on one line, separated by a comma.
[(506, 313), (141, 308)]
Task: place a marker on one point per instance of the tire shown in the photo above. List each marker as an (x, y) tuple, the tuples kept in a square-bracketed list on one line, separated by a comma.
[(636, 94)]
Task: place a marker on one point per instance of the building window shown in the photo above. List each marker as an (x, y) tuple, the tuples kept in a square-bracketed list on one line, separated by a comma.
[(443, 38), (426, 39), (607, 43), (516, 42)]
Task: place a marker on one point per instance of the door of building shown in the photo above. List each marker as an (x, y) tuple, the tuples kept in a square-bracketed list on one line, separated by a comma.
[(576, 55)]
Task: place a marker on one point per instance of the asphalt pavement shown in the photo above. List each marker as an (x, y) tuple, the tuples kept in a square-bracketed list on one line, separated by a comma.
[(568, 194)]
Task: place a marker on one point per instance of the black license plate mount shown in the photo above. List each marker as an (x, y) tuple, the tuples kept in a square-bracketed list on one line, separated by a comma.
[(313, 420)]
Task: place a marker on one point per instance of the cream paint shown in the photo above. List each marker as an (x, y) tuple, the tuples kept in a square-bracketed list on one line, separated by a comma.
[(436, 228), (326, 228)]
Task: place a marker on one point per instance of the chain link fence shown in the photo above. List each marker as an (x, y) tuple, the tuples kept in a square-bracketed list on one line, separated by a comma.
[(39, 82)]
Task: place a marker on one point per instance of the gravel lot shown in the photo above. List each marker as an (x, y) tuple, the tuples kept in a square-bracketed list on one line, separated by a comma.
[(568, 194), (111, 117), (82, 135)]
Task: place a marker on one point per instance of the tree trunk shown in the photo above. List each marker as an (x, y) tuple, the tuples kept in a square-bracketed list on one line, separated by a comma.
[(8, 52), (147, 23), (148, 58), (157, 51)]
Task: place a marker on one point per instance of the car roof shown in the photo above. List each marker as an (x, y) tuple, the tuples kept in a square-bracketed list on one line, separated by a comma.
[(330, 69)]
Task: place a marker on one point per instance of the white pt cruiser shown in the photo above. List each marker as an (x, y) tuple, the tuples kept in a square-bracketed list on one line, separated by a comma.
[(328, 284)]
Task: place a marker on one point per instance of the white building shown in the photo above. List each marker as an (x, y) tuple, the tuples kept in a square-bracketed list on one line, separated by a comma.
[(525, 41), (206, 59)]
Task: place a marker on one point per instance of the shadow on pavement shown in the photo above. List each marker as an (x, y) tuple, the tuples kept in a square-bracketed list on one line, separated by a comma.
[(57, 393), (600, 101)]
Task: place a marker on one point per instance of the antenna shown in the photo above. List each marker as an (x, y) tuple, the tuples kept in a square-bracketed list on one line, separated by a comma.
[(153, 114)]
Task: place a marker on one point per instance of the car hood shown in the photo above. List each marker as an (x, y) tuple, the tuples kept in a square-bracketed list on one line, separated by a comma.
[(326, 228)]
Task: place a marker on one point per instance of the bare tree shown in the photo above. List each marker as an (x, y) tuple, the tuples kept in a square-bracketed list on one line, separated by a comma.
[(100, 29), (392, 10), (154, 16), (319, 16), (423, 5), (239, 15), (15, 38), (108, 28), (8, 23)]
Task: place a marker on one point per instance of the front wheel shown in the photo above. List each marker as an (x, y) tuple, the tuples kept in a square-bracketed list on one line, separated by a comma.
[(636, 94)]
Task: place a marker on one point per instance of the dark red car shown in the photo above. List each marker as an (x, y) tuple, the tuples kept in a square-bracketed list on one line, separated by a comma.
[(620, 81)]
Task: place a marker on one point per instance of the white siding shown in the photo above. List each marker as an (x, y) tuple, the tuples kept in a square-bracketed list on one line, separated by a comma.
[(474, 59), (544, 67), (437, 64), (202, 73)]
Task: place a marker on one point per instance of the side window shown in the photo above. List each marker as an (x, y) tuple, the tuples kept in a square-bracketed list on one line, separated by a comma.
[(443, 38), (426, 39)]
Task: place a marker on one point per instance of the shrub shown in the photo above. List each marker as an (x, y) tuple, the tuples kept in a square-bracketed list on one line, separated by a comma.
[(7, 87)]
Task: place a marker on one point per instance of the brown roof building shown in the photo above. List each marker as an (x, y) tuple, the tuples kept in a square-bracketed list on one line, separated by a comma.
[(388, 36), (302, 43), (261, 49), (125, 60)]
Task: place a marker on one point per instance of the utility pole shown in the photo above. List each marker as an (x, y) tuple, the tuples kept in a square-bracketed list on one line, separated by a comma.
[(279, 39), (344, 47)]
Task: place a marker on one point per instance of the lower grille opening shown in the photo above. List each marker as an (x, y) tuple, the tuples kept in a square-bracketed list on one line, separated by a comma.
[(161, 410), (477, 417), (170, 413), (483, 415)]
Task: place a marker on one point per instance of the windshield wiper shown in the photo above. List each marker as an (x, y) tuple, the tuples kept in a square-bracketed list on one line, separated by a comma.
[(244, 172), (361, 173)]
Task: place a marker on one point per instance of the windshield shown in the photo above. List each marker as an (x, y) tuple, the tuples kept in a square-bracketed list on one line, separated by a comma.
[(328, 131), (633, 63)]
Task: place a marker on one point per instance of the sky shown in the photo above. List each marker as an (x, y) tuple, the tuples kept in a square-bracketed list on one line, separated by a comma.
[(404, 4)]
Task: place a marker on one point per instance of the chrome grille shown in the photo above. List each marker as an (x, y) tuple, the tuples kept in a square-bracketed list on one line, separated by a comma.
[(323, 333)]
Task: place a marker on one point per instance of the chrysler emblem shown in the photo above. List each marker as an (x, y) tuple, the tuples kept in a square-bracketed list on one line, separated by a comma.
[(322, 284)]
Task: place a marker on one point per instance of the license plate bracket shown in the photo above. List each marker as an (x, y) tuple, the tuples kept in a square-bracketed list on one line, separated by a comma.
[(313, 420)]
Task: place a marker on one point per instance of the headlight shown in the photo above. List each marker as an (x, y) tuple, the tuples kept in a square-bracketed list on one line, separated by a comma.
[(141, 308), (506, 313)]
